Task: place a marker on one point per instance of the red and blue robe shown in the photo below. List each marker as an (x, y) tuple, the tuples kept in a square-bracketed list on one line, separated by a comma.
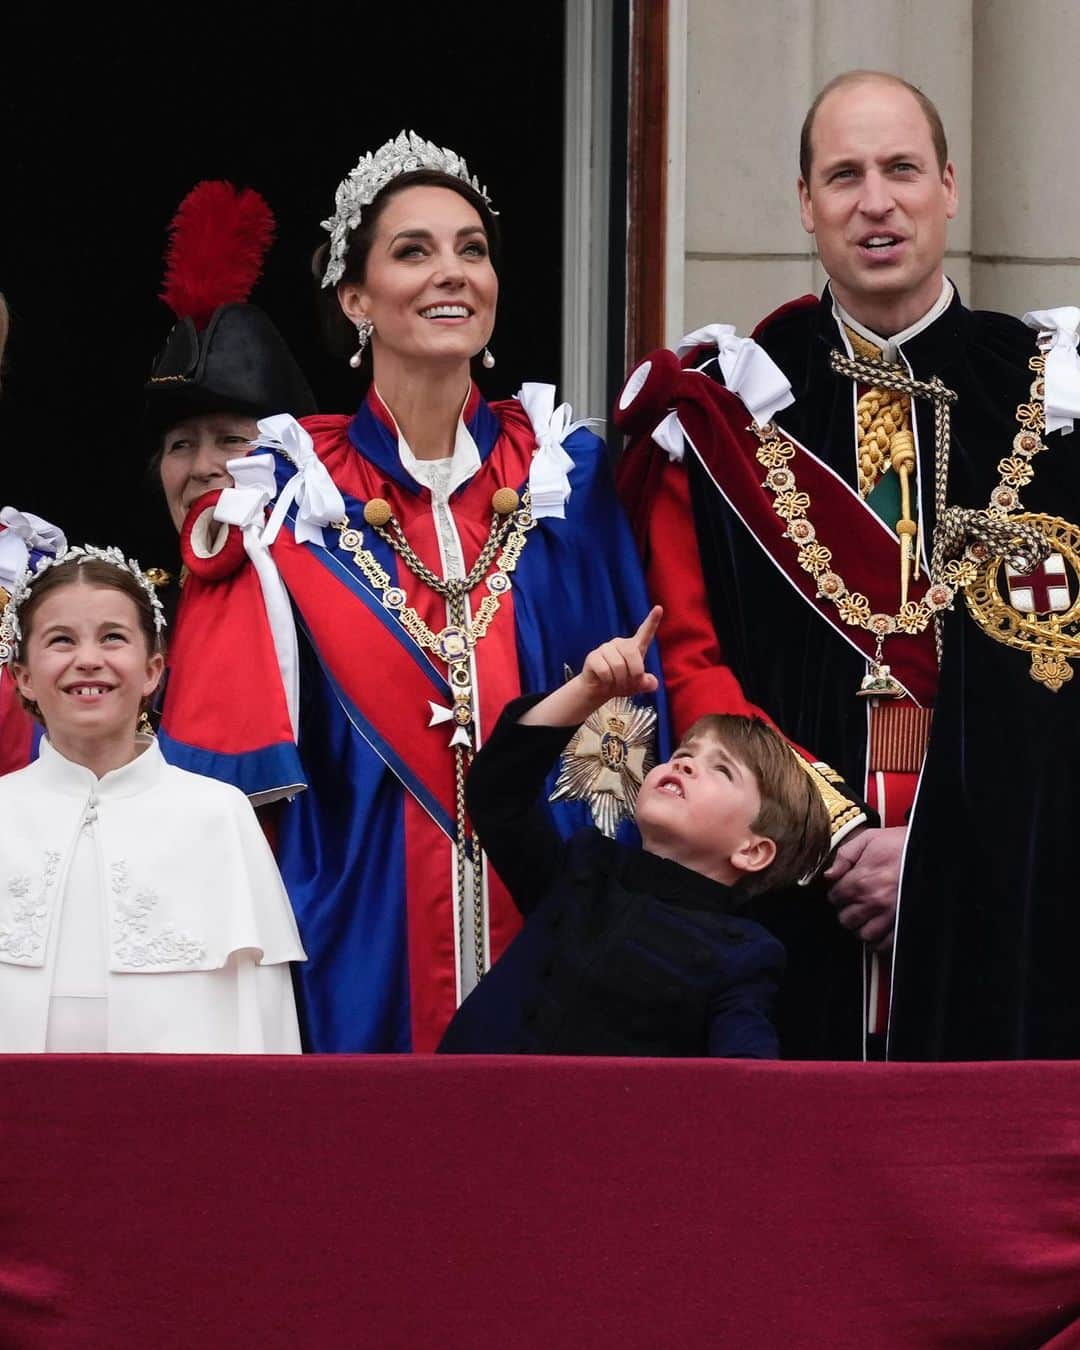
[(20, 734), (367, 849)]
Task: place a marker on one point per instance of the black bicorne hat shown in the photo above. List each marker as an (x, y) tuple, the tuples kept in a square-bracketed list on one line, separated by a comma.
[(223, 355), (238, 363)]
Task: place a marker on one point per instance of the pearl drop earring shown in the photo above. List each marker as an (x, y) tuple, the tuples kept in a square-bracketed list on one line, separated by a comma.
[(364, 330)]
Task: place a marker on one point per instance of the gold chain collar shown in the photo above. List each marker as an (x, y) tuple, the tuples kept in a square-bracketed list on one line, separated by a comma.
[(510, 523), (1053, 641), (791, 505), (775, 452), (511, 520), (1016, 470)]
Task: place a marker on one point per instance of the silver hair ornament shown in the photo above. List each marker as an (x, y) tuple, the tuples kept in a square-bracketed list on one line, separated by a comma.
[(406, 153), (10, 629)]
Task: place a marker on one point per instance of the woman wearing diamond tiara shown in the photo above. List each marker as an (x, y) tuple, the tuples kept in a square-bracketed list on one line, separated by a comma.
[(442, 554), (141, 909)]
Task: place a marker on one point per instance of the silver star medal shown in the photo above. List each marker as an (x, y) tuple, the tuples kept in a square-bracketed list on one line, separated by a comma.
[(606, 761)]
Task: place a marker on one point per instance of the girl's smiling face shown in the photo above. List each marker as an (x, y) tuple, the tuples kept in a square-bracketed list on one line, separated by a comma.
[(86, 663)]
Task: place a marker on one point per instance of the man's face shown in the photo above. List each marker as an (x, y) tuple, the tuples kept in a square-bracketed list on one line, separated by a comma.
[(877, 204)]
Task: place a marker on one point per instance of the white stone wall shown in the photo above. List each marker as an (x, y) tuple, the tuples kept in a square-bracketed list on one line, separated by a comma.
[(1026, 206), (1000, 71)]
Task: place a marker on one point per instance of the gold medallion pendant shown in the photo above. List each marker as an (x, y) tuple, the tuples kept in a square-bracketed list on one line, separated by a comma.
[(1038, 611)]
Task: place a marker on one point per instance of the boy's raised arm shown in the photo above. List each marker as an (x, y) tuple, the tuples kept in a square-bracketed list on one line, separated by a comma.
[(615, 668), (504, 789)]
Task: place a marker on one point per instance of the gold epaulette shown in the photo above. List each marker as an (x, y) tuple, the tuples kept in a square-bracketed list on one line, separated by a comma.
[(842, 811)]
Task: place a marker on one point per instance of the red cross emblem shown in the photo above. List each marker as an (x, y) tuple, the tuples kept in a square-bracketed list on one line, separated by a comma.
[(1044, 591)]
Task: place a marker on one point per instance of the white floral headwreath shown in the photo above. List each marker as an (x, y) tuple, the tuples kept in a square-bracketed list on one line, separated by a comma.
[(10, 629)]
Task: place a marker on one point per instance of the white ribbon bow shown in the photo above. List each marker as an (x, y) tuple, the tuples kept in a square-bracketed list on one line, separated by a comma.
[(749, 371), (549, 476), (669, 436), (244, 506), (1062, 374), (23, 532), (254, 486), (318, 501)]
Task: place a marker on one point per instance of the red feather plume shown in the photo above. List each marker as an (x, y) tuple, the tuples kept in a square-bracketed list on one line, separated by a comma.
[(217, 242)]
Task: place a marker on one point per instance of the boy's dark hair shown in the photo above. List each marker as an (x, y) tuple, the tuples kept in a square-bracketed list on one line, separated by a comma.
[(792, 813)]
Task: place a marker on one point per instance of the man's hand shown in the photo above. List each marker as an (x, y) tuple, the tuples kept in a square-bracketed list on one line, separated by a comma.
[(615, 668), (864, 880)]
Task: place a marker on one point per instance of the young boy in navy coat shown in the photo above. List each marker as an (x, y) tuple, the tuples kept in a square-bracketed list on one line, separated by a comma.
[(630, 951)]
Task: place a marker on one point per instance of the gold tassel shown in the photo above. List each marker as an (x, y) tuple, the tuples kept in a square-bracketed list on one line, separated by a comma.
[(902, 458)]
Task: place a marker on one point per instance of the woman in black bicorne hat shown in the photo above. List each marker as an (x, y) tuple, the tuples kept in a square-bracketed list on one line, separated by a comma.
[(224, 364)]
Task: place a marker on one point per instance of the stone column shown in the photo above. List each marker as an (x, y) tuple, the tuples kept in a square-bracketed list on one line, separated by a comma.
[(1026, 243)]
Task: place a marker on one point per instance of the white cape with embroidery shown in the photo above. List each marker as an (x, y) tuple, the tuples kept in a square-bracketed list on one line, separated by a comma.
[(198, 928)]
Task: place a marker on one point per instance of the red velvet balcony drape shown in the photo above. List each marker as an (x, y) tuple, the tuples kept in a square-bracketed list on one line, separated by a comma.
[(386, 1202)]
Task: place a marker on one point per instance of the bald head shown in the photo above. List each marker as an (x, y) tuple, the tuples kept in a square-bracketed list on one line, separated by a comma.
[(851, 78)]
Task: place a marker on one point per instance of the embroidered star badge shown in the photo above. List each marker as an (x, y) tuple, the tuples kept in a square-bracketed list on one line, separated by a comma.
[(606, 761)]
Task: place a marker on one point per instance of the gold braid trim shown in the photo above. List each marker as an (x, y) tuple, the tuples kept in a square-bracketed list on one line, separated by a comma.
[(842, 811), (881, 415)]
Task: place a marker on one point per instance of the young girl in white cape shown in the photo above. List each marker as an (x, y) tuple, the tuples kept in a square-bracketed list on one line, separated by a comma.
[(140, 905)]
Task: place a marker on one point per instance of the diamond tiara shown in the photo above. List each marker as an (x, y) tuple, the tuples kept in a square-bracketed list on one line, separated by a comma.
[(10, 630), (404, 154)]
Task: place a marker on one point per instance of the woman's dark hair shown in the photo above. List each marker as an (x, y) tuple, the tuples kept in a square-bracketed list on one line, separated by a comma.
[(337, 330), (92, 572)]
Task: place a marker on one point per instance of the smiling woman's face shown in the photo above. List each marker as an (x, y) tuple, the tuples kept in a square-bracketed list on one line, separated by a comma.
[(429, 286)]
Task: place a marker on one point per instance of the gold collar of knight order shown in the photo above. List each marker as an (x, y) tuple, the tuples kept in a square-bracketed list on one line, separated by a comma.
[(1051, 638)]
